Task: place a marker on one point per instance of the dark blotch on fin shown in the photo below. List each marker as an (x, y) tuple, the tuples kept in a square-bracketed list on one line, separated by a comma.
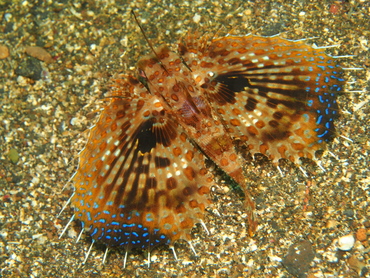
[(146, 137)]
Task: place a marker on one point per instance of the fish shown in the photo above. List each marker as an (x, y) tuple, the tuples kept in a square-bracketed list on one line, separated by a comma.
[(142, 180)]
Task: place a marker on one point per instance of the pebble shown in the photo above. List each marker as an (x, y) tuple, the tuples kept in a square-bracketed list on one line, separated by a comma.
[(349, 212), (4, 52), (356, 265), (39, 53), (331, 224), (331, 256), (248, 12), (361, 234), (346, 243), (13, 156), (30, 68), (297, 261), (196, 18)]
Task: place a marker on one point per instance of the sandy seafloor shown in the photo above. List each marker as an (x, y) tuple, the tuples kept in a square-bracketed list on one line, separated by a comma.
[(45, 123)]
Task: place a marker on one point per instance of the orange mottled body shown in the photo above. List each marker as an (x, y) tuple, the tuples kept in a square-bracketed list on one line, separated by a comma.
[(142, 179)]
